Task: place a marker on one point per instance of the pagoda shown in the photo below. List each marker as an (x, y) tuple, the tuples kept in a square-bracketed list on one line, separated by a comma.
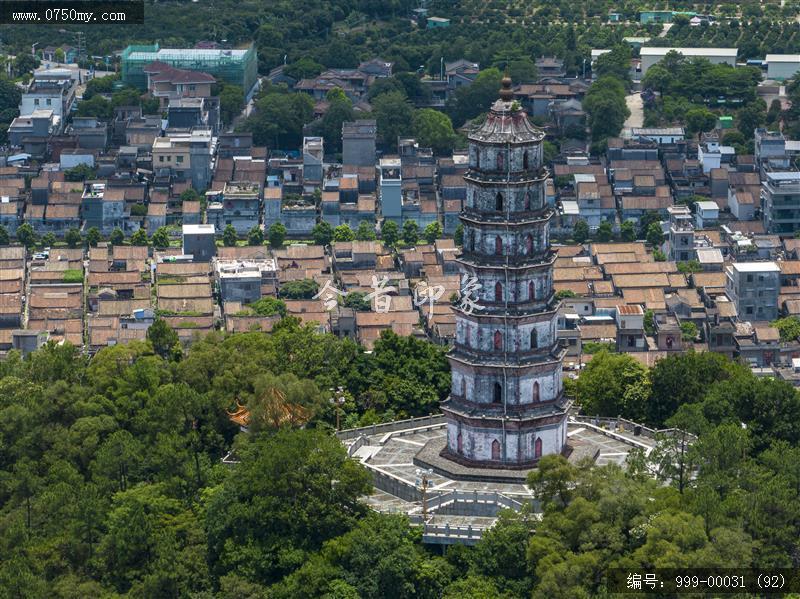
[(507, 406)]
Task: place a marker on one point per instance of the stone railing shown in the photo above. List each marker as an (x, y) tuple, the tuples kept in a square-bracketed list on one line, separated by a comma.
[(437, 501), (389, 427), (633, 428), (445, 534)]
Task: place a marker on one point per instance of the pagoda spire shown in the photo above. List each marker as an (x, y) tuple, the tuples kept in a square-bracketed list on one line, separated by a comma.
[(506, 93)]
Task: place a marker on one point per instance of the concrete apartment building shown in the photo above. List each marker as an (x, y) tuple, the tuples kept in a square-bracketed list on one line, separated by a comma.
[(198, 242), (50, 90), (358, 142), (391, 193), (246, 281), (104, 209), (754, 288), (780, 198), (187, 155), (238, 205)]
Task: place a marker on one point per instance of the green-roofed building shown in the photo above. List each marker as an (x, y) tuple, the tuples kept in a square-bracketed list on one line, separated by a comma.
[(237, 66)]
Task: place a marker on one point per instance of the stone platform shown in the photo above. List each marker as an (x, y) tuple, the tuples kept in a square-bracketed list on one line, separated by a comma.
[(396, 453)]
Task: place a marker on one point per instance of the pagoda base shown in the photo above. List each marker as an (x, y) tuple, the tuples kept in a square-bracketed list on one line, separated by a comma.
[(435, 456)]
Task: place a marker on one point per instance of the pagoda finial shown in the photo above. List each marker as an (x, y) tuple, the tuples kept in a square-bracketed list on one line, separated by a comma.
[(506, 93)]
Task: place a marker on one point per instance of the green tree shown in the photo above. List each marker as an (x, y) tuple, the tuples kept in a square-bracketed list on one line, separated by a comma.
[(458, 235), (302, 289), (690, 267), (523, 70), (604, 232), (435, 130), (751, 117), (268, 306), (231, 101), (229, 236), (410, 232), (655, 236), (390, 233), (139, 238), (255, 236), (279, 119), (81, 172), (551, 482), (160, 238), (25, 63), (26, 235), (5, 239), (789, 327), (471, 100), (616, 63), (627, 231), (93, 237), (688, 331), (340, 110), (163, 338), (357, 301), (603, 384), (394, 115), (343, 233), (117, 237), (277, 235), (580, 231), (606, 107), (700, 120), (98, 107), (432, 232), (189, 194), (365, 231), (322, 233), (281, 504), (73, 238)]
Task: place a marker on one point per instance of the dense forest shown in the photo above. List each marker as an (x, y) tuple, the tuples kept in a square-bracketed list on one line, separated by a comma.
[(112, 485)]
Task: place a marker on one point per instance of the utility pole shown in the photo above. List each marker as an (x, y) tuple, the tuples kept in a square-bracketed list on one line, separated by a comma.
[(337, 401)]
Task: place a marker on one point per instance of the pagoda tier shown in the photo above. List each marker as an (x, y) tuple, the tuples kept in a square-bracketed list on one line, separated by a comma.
[(506, 407)]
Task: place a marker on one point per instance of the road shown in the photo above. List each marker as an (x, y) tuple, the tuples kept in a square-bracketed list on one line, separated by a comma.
[(635, 105)]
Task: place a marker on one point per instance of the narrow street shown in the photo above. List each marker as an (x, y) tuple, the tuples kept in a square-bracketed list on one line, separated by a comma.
[(635, 105)]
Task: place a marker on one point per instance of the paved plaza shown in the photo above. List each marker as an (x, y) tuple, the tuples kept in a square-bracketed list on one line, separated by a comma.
[(453, 502)]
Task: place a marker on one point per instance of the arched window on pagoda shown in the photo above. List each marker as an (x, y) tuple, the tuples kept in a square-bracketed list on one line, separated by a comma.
[(531, 291), (498, 245), (498, 340), (501, 161), (459, 443), (535, 394), (527, 200), (534, 339), (463, 387), (477, 159), (529, 243), (498, 393), (525, 165), (498, 202), (498, 292), (496, 450), (537, 448)]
